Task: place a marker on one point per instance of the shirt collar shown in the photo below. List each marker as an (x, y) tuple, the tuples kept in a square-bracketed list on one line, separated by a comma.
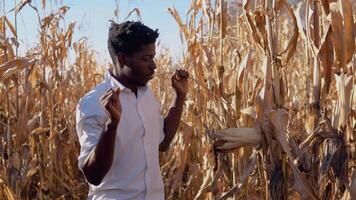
[(114, 83)]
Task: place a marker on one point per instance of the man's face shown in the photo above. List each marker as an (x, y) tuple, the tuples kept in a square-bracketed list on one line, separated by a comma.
[(141, 65)]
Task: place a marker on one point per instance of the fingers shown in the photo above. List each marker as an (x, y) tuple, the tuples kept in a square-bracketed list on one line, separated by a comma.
[(117, 94), (117, 91), (110, 103), (112, 95), (106, 94), (181, 74)]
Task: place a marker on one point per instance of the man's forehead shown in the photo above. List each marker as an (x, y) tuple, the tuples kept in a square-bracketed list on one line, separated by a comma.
[(149, 49)]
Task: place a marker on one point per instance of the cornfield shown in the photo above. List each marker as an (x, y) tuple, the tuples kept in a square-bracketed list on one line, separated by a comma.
[(271, 112)]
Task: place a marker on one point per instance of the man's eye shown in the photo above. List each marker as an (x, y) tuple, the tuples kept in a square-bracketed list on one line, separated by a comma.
[(147, 58)]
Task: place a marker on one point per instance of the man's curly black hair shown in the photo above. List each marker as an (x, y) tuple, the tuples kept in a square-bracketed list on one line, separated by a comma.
[(128, 37)]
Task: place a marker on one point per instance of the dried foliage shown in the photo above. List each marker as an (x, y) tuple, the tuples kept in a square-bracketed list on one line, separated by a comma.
[(270, 113), (278, 75), (39, 93)]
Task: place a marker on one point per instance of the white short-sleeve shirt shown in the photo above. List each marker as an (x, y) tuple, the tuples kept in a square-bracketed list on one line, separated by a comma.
[(135, 172)]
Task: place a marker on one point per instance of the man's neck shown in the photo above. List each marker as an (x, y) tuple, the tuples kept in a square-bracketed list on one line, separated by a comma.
[(123, 80)]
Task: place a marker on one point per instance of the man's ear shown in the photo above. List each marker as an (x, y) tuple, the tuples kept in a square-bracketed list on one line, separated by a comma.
[(121, 58)]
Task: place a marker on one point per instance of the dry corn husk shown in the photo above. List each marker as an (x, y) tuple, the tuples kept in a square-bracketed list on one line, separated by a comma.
[(301, 183), (279, 120), (11, 67), (237, 137), (353, 186)]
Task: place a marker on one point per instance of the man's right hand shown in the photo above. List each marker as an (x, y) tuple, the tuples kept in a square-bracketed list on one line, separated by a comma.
[(99, 161), (112, 106)]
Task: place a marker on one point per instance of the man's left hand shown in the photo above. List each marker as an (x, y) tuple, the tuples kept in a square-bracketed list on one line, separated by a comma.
[(180, 82)]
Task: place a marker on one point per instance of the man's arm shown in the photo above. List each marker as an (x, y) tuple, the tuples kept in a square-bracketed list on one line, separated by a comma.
[(171, 122), (99, 161)]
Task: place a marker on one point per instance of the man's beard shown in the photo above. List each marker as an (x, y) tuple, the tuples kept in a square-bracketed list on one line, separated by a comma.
[(137, 82)]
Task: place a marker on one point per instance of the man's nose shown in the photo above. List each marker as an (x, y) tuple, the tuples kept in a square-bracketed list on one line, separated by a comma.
[(153, 65)]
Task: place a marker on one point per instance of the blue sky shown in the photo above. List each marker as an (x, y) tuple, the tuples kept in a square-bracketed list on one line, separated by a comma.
[(92, 17)]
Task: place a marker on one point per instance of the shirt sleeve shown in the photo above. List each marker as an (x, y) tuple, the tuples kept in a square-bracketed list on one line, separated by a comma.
[(90, 125)]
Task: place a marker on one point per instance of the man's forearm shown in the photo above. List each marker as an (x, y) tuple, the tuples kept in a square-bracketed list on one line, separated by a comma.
[(101, 158), (171, 122)]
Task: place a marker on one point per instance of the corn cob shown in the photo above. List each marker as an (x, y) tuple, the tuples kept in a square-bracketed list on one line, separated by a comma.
[(237, 137)]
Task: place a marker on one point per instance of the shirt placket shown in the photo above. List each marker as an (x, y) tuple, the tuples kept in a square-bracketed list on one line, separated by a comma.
[(146, 145)]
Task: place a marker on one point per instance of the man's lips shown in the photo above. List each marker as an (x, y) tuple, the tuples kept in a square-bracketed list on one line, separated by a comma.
[(150, 76)]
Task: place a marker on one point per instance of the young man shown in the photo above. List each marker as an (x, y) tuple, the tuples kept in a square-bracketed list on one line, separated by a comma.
[(119, 125)]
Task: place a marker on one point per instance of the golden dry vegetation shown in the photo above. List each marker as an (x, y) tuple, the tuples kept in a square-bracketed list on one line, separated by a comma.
[(271, 112)]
